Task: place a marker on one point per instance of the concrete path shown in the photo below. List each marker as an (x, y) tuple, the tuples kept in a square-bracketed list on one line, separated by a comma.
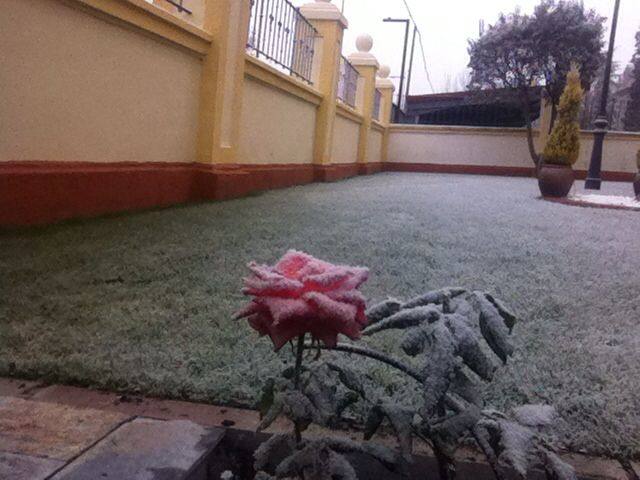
[(42, 440)]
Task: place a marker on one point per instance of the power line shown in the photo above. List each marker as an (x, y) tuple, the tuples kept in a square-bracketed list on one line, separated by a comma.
[(424, 56)]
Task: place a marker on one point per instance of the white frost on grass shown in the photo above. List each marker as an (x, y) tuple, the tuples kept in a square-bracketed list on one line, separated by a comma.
[(605, 200), (143, 302)]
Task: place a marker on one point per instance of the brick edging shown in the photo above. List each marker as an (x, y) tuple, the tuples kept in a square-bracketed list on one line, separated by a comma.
[(589, 467)]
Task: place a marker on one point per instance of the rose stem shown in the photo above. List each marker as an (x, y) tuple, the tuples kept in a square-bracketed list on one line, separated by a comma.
[(365, 352), (296, 381), (299, 352)]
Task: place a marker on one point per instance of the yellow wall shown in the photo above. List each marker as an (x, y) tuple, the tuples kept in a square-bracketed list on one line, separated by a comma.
[(496, 147), (196, 7), (76, 88), (375, 146), (458, 146), (345, 140), (619, 153), (275, 126)]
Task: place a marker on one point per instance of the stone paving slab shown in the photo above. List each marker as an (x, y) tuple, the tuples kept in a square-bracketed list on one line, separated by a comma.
[(23, 467), (51, 430), (146, 449)]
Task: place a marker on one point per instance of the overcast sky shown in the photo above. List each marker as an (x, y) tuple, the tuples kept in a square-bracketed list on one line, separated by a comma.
[(446, 25)]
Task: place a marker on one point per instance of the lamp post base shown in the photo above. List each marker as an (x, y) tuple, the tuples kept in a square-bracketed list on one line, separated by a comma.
[(595, 166), (593, 183)]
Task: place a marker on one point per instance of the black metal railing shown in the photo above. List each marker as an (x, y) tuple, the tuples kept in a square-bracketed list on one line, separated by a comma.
[(377, 101), (280, 33), (179, 6), (347, 83)]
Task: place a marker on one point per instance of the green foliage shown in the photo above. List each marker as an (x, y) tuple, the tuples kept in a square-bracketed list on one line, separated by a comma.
[(522, 50), (567, 33), (563, 147)]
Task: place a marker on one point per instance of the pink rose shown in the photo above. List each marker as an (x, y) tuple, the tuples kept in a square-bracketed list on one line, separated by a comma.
[(302, 294)]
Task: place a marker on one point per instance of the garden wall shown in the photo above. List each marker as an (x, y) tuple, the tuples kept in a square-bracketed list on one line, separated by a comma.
[(345, 136), (619, 157), (276, 126), (116, 105), (78, 89), (376, 145), (498, 151)]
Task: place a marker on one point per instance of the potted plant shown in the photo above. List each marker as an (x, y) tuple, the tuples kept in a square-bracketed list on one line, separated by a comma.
[(636, 181), (555, 177)]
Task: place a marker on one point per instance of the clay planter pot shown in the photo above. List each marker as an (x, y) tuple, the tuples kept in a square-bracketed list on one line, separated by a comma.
[(636, 185), (555, 180)]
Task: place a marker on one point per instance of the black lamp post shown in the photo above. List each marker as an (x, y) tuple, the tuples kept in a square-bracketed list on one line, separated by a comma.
[(404, 61), (594, 181)]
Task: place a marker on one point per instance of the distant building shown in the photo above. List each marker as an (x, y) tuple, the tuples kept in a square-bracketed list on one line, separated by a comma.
[(486, 108), (619, 98)]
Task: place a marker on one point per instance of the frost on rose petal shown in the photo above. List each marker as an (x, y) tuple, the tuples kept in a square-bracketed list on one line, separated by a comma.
[(301, 294)]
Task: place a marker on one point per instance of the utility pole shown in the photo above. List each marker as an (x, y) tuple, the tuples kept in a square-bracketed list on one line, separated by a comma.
[(413, 46), (404, 60)]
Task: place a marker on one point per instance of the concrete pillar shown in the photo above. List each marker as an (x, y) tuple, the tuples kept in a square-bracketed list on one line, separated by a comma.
[(367, 67), (386, 87), (222, 82), (330, 24)]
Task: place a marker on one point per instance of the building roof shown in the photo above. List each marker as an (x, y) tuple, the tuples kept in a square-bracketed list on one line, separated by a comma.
[(500, 108)]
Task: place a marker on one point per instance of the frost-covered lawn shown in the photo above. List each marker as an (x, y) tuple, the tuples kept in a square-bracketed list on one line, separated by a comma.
[(143, 301)]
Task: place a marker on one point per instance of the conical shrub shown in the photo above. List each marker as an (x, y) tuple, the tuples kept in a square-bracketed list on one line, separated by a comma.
[(563, 147)]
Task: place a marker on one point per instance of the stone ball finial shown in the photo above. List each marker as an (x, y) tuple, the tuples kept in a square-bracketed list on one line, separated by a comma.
[(364, 43), (384, 71)]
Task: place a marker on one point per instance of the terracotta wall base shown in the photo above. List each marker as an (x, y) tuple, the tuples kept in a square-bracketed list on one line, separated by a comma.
[(608, 176), (37, 193)]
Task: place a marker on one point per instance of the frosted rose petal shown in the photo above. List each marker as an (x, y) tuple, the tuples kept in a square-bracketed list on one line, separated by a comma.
[(292, 262), (302, 294), (283, 309), (282, 287)]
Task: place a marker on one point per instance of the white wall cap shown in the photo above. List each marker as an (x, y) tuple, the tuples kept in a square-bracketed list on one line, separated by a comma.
[(383, 83), (363, 59), (323, 10)]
